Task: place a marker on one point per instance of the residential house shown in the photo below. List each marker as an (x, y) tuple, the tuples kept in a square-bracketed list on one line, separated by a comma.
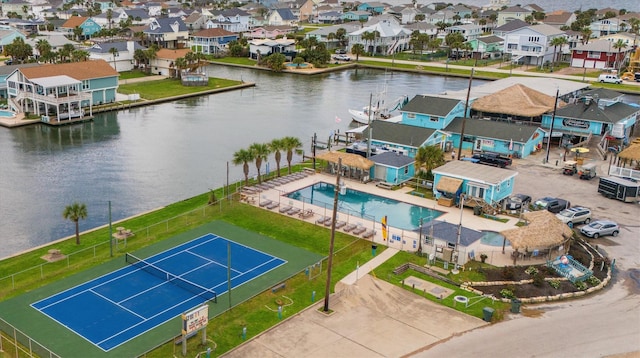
[(596, 54), (430, 111), (322, 34), (533, 7), (7, 70), (169, 32), (604, 12), (423, 28), (164, 63), (137, 16), (29, 27), (487, 47), (88, 25), (56, 40), (450, 242), (282, 17), (441, 16), (531, 45), (105, 5), (626, 37), (393, 38), (329, 17), (121, 58), (264, 47), (58, 92), (461, 10), (510, 26), (604, 27), (512, 13), (8, 34), (496, 4), (393, 137), (196, 21), (406, 14), (269, 32), (470, 32), (233, 20), (481, 185), (211, 41), (372, 7), (559, 18), (356, 16), (599, 112), (17, 7)]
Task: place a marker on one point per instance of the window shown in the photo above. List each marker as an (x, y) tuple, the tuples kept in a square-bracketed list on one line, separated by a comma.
[(451, 245), (594, 54), (411, 115), (85, 84), (434, 119)]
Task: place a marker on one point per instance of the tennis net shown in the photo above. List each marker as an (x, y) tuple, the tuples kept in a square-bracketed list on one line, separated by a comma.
[(194, 288)]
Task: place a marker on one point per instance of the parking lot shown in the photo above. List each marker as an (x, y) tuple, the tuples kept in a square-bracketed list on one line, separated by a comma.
[(539, 180)]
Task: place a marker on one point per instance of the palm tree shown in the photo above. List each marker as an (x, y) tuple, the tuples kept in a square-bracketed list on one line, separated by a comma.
[(290, 145), (260, 152), (44, 47), (555, 42), (429, 157), (79, 55), (180, 64), (357, 49), (586, 35), (634, 24), (277, 146), (114, 52), (243, 157), (75, 212), (619, 45), (369, 37)]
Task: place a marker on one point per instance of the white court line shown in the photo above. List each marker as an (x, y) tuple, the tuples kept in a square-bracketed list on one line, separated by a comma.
[(116, 303)]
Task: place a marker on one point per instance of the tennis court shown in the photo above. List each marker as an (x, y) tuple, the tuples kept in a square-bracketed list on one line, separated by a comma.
[(121, 305)]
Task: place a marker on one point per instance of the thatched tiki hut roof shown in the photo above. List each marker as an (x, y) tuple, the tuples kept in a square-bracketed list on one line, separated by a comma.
[(544, 231), (348, 159), (631, 153), (517, 100)]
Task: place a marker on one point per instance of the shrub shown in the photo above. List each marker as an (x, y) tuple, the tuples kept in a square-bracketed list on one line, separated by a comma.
[(538, 280), (594, 281), (555, 284), (508, 272), (531, 270), (507, 293), (581, 285)]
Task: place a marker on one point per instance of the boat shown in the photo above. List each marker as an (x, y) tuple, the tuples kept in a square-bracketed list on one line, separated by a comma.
[(380, 111)]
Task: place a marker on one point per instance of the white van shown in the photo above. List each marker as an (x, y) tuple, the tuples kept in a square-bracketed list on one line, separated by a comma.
[(609, 78)]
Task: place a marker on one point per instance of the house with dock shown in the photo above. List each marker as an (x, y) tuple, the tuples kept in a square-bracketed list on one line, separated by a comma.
[(62, 92)]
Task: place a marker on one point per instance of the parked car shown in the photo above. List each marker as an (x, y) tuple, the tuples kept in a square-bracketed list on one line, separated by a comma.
[(575, 215), (600, 228), (609, 78), (492, 159), (518, 201), (341, 51), (342, 58), (554, 205)]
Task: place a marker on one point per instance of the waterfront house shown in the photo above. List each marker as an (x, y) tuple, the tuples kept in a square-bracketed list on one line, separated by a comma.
[(164, 63), (265, 47), (392, 38), (431, 111), (211, 41), (396, 137), (468, 31), (512, 25), (322, 34), (58, 92), (7, 70), (232, 20), (482, 185), (487, 47)]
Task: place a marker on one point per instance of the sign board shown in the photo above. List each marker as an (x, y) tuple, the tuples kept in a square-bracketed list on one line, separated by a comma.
[(194, 320)]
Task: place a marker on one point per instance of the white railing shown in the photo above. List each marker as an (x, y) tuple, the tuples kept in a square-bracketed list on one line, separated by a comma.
[(624, 172), (79, 96)]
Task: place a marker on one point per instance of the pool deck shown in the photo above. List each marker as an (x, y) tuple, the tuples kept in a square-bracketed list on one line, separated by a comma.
[(494, 254), (16, 121)]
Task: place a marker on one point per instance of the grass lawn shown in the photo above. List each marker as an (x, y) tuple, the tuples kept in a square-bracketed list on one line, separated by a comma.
[(236, 61), (430, 69), (171, 87), (132, 74)]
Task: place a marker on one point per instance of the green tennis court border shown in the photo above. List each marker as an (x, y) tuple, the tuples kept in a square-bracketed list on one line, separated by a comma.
[(65, 343)]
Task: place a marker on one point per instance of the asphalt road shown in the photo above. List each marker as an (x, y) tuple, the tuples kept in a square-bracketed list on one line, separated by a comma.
[(601, 325)]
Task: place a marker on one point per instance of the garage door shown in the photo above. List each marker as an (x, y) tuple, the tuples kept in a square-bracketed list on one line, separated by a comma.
[(589, 63), (577, 62)]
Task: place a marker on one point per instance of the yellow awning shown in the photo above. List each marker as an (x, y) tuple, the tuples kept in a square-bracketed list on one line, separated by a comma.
[(449, 185)]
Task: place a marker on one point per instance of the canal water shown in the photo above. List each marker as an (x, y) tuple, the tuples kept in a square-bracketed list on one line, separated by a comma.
[(147, 157)]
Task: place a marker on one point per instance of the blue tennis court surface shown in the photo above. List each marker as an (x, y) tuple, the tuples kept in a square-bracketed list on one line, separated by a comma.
[(115, 308)]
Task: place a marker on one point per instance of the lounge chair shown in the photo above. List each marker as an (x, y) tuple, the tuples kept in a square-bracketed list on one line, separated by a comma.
[(306, 214), (293, 211), (322, 219), (368, 234), (273, 205), (359, 230), (285, 208), (350, 227), (328, 222), (264, 203), (340, 224)]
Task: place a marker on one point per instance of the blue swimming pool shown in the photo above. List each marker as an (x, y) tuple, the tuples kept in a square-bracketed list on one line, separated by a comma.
[(368, 206), (493, 238), (4, 113), (302, 65)]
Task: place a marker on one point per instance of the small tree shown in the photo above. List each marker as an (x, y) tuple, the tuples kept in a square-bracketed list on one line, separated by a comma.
[(75, 212)]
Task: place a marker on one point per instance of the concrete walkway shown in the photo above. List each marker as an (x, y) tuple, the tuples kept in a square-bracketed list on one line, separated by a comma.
[(363, 270)]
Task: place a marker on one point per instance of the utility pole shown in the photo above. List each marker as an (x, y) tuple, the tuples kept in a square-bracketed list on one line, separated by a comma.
[(369, 136), (464, 115), (327, 289), (553, 120)]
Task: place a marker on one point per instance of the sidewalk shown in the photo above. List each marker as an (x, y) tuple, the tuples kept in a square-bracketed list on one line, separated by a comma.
[(363, 270)]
